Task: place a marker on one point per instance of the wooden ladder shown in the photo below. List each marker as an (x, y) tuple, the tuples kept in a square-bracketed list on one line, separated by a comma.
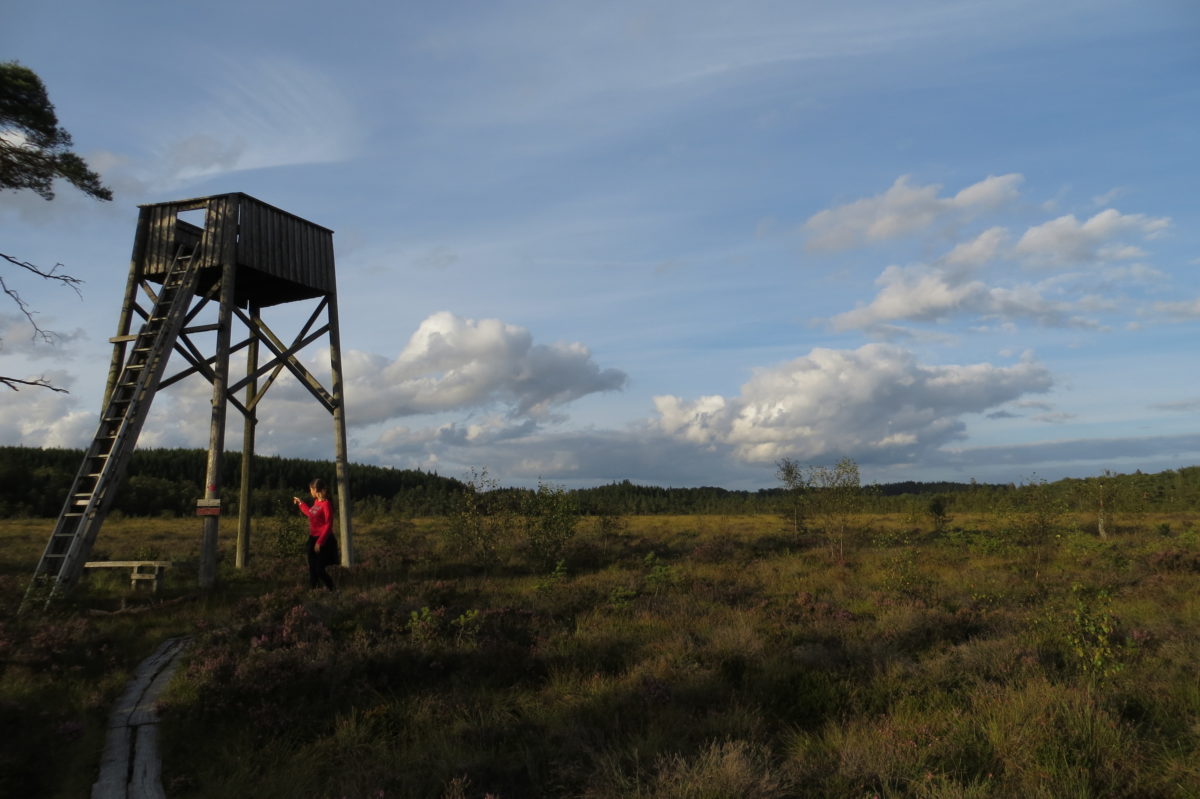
[(103, 466)]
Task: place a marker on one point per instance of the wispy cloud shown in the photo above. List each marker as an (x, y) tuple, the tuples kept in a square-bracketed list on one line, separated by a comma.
[(924, 294), (1180, 406), (1066, 240), (902, 210), (1179, 309), (265, 111), (1094, 453)]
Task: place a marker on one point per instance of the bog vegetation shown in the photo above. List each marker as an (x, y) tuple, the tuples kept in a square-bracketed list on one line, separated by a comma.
[(972, 641)]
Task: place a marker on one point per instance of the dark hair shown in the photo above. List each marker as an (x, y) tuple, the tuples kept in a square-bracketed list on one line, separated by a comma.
[(317, 486)]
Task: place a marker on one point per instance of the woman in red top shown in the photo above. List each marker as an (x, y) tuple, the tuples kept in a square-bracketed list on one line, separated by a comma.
[(322, 546)]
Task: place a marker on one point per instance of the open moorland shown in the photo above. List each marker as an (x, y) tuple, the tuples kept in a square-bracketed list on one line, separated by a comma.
[(889, 655)]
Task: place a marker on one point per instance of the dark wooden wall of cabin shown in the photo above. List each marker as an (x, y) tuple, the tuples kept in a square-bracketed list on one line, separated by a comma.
[(280, 257)]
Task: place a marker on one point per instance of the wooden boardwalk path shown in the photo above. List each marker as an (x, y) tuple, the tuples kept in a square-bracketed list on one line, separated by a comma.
[(130, 767)]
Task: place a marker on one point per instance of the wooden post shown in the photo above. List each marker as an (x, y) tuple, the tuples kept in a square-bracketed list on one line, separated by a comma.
[(251, 419), (341, 463), (126, 318), (216, 431)]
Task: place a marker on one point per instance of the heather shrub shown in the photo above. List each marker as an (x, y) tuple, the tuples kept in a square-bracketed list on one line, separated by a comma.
[(686, 656)]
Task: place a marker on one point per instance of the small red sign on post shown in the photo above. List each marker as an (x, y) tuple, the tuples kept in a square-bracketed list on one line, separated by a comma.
[(208, 507)]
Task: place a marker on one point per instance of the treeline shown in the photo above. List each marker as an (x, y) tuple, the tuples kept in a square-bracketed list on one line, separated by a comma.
[(1168, 491), (34, 482)]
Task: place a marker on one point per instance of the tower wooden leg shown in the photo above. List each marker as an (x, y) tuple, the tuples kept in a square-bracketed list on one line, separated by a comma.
[(216, 432), (339, 435), (243, 536)]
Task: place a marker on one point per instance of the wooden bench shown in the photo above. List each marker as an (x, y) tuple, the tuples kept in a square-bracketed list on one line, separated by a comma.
[(139, 570)]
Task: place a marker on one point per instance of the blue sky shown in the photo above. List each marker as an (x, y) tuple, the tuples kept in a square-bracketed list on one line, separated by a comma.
[(658, 241)]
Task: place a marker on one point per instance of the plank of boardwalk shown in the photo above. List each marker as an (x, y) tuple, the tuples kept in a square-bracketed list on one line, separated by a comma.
[(130, 766), (145, 778)]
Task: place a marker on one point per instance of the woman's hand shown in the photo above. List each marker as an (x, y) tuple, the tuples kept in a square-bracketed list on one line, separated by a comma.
[(295, 500)]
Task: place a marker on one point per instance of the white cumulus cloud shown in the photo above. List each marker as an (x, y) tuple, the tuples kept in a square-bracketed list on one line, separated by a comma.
[(451, 363), (876, 403)]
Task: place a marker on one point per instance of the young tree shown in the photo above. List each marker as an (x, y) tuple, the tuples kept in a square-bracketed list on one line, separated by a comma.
[(789, 472), (481, 522), (836, 496), (1104, 504), (549, 517), (34, 152), (937, 512), (1114, 496)]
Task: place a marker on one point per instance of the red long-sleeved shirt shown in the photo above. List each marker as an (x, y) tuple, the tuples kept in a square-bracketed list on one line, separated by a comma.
[(320, 520)]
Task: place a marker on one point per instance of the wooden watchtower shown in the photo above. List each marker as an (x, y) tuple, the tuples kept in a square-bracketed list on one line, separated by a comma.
[(241, 255)]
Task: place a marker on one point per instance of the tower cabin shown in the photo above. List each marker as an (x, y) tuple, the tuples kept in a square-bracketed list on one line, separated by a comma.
[(279, 256)]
